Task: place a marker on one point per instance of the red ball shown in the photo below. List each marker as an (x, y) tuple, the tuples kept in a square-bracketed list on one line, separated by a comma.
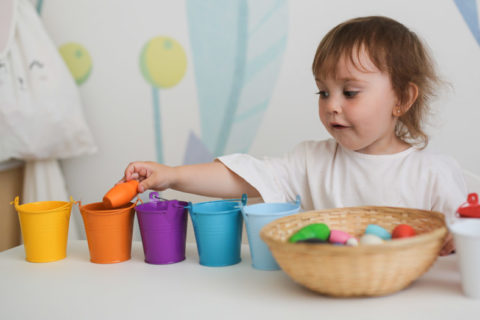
[(403, 231)]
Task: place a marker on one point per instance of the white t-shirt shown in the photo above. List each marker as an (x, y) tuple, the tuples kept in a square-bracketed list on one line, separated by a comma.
[(326, 175)]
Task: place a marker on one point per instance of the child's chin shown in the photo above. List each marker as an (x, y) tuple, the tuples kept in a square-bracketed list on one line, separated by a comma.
[(349, 146)]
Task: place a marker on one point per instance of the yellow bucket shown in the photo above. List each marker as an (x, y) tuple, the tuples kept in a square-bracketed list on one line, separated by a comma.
[(44, 227)]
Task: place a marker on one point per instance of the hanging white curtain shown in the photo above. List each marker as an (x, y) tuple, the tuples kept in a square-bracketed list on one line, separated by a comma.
[(41, 114), (43, 181)]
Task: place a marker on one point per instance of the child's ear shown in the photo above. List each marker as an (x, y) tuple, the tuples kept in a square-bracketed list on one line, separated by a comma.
[(411, 97)]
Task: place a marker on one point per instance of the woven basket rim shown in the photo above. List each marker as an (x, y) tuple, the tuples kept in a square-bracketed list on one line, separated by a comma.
[(312, 248)]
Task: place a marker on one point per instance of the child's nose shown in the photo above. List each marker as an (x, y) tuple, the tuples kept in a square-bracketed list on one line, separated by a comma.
[(334, 105)]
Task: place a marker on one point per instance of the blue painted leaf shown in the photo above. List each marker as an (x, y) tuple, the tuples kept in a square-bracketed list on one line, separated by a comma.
[(469, 11), (237, 49)]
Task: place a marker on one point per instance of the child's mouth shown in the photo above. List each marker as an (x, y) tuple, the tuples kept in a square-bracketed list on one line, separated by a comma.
[(338, 126)]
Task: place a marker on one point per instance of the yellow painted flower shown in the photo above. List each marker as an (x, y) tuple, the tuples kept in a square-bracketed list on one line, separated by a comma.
[(78, 61), (163, 62)]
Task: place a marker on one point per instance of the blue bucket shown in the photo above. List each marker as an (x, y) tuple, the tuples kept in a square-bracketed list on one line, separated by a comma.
[(258, 215), (218, 231)]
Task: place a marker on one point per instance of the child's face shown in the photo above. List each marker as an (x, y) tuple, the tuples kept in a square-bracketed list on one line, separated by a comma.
[(357, 107)]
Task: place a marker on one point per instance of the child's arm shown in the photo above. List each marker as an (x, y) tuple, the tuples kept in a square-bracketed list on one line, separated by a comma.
[(208, 179)]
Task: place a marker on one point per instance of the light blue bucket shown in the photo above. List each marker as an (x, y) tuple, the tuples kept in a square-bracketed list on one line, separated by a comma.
[(218, 231), (258, 215)]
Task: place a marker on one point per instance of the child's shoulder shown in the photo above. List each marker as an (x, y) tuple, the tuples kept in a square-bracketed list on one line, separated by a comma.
[(435, 162)]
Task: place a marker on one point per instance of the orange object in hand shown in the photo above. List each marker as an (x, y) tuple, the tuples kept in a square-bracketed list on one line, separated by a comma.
[(121, 194)]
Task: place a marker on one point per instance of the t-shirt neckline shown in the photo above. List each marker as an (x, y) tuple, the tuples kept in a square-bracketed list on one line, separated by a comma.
[(377, 156)]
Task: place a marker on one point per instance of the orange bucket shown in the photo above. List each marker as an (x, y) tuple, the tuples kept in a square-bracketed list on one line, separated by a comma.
[(109, 231)]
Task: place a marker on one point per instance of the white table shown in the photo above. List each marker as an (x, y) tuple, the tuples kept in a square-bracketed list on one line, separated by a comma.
[(75, 288)]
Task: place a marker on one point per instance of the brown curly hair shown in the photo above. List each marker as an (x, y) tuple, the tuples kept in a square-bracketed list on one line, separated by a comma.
[(394, 49)]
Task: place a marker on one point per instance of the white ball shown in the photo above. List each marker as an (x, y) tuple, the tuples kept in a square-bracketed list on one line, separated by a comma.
[(353, 242), (370, 239)]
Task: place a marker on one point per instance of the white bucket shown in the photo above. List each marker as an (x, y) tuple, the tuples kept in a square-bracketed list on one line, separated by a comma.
[(466, 233)]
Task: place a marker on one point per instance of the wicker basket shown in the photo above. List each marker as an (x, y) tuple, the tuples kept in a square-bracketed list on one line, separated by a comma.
[(344, 271)]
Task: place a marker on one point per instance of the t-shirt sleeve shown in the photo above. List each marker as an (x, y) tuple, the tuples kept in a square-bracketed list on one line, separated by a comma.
[(450, 189), (276, 179)]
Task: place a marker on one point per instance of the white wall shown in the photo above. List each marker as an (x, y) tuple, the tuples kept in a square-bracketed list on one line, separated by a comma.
[(118, 100)]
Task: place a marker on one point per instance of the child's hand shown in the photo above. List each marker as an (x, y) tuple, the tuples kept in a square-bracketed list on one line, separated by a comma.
[(448, 245), (151, 175)]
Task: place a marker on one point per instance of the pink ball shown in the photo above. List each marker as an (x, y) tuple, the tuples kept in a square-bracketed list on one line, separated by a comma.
[(337, 236)]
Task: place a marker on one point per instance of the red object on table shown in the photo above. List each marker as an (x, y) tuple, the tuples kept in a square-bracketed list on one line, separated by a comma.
[(471, 208)]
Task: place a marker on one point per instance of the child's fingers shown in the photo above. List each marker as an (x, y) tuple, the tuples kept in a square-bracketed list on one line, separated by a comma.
[(448, 245), (446, 251), (145, 184), (147, 175), (128, 171), (133, 176), (134, 170)]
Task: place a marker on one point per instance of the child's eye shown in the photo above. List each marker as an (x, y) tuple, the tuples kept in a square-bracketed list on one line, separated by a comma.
[(350, 94), (323, 94)]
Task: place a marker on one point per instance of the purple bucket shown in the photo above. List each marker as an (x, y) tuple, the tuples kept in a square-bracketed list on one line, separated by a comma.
[(163, 227)]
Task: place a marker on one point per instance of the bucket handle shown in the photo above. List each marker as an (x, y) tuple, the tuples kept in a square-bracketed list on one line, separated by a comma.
[(298, 200), (15, 202), (243, 200), (192, 215), (154, 196)]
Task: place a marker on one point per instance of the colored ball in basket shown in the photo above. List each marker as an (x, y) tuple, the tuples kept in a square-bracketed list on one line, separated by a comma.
[(403, 231), (352, 242), (316, 230), (337, 236), (120, 194), (370, 239), (378, 231)]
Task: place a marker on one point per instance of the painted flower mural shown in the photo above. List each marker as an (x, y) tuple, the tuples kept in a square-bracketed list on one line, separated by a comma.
[(163, 63), (237, 49)]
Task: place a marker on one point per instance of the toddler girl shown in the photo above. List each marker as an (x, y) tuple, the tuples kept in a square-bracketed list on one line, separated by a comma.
[(375, 79)]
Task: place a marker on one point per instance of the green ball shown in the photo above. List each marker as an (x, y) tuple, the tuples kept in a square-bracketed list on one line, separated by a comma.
[(316, 230)]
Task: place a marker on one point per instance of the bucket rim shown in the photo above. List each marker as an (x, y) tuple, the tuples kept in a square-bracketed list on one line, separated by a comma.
[(233, 211), (273, 203), (454, 228), (294, 208), (466, 235), (271, 214), (161, 211), (177, 204), (19, 208), (104, 212)]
